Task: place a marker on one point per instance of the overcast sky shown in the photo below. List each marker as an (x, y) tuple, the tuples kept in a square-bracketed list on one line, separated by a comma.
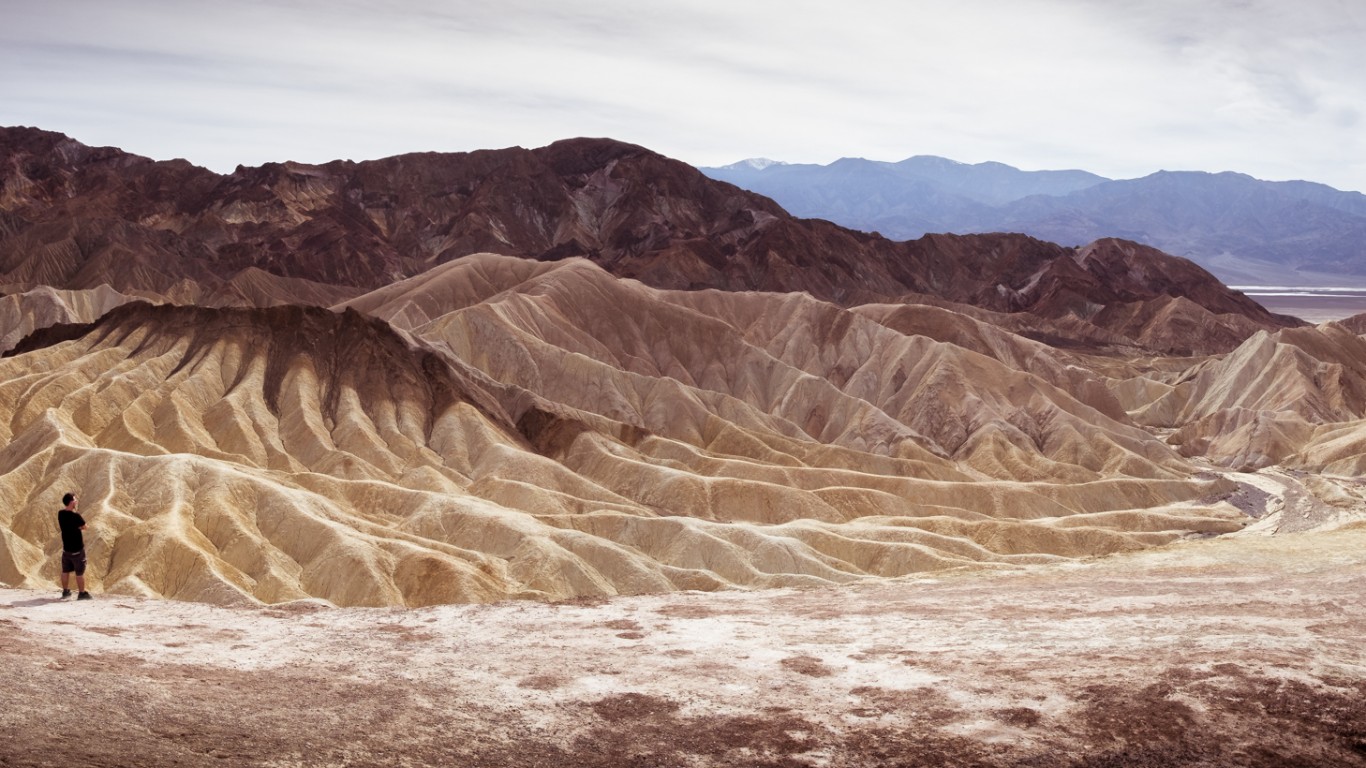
[(1268, 87)]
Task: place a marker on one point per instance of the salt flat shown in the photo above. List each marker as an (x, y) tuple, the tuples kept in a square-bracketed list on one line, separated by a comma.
[(1313, 305)]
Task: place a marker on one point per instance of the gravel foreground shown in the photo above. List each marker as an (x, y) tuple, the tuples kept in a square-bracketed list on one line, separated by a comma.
[(1239, 651)]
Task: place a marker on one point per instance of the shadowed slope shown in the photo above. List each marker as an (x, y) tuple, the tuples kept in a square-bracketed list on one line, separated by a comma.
[(24, 313)]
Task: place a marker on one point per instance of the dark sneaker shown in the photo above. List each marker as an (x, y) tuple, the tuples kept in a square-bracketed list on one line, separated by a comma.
[(84, 596), (66, 593)]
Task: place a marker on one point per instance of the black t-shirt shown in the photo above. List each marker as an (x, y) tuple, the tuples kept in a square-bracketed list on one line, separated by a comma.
[(70, 523)]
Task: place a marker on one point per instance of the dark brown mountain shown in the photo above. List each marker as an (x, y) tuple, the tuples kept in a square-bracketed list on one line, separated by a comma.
[(73, 216)]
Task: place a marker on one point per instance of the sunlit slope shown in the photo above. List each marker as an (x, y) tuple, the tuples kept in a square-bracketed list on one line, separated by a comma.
[(1297, 397), (785, 362), (548, 431)]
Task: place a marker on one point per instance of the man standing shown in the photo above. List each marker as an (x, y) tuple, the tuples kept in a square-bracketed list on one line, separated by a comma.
[(73, 546)]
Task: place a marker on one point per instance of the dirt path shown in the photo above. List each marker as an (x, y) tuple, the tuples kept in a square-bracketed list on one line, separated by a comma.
[(1233, 651)]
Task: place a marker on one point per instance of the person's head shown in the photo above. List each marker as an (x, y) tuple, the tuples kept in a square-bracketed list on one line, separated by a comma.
[(69, 499)]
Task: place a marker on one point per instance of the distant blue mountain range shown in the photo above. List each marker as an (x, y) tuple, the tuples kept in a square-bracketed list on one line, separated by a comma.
[(1245, 230)]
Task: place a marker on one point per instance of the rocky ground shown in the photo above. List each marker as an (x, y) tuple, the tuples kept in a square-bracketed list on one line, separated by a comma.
[(1241, 650)]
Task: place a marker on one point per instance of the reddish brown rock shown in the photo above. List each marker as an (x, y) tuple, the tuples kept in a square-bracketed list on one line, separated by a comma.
[(73, 216)]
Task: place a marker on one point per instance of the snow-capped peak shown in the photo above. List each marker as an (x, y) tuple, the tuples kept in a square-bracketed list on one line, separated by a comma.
[(753, 163)]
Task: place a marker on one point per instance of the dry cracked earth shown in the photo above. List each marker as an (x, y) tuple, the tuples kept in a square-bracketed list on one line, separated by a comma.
[(1240, 650)]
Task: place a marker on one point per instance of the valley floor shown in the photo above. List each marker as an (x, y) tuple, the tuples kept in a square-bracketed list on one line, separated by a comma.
[(1241, 650), (1312, 306)]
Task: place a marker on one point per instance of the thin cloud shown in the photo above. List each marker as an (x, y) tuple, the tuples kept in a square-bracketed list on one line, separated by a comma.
[(1122, 90)]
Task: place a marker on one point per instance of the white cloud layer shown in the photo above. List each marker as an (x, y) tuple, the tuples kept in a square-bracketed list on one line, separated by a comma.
[(1123, 89)]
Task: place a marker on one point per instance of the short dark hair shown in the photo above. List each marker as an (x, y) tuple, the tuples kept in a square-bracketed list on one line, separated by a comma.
[(67, 499)]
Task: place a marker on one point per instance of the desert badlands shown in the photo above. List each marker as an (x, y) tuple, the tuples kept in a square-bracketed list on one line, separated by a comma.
[(572, 456)]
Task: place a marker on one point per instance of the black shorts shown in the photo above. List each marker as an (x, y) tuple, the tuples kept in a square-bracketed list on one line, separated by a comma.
[(73, 561)]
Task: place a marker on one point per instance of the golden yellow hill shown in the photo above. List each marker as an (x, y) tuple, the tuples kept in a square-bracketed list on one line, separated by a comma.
[(519, 429)]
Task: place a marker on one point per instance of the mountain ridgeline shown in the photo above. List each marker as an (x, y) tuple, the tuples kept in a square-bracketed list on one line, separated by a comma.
[(1243, 229), (76, 217)]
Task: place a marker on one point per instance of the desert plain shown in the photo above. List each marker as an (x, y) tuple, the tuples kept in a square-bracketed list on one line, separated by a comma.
[(1241, 650)]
